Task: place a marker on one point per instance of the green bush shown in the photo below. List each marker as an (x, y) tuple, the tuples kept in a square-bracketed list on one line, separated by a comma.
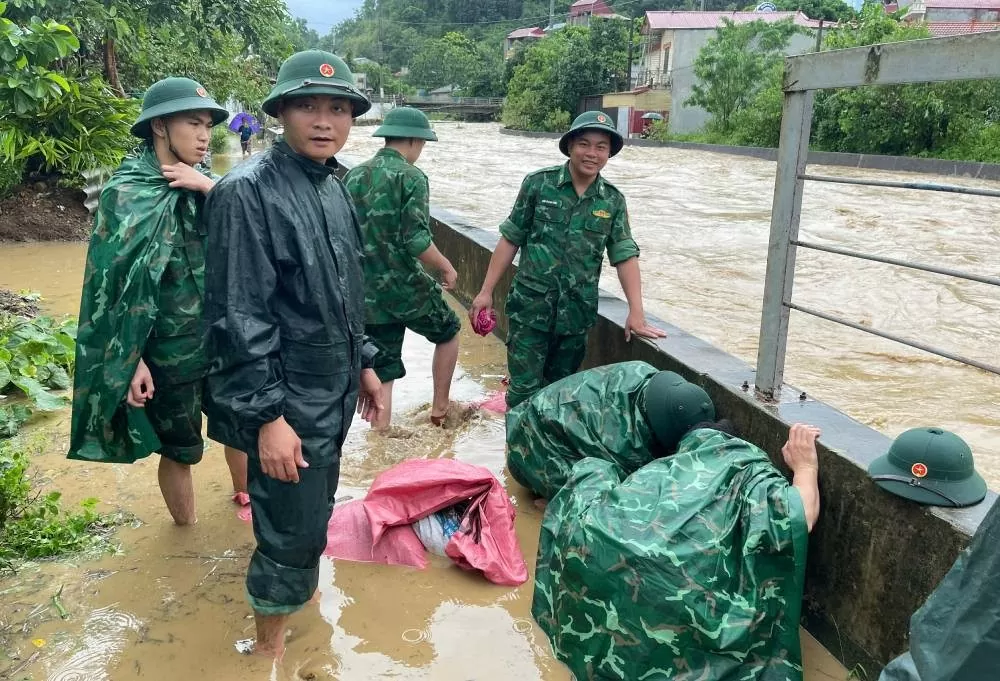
[(557, 121), (11, 175), (36, 357), (87, 127), (33, 525), (220, 139)]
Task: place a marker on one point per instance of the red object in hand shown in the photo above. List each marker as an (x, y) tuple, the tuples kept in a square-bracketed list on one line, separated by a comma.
[(485, 322)]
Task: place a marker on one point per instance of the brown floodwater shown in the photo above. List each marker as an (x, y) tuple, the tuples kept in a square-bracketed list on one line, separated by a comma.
[(169, 602), (702, 222)]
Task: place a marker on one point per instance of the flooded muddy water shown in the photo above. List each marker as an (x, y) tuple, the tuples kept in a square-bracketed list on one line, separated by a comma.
[(169, 603), (702, 222)]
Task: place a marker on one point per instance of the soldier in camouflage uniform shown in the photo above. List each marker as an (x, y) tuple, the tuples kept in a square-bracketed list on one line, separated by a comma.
[(690, 568), (627, 413), (565, 218), (140, 356), (391, 197)]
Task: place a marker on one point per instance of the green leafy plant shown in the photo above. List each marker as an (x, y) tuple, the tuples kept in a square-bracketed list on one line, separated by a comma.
[(36, 357), (34, 525), (220, 139)]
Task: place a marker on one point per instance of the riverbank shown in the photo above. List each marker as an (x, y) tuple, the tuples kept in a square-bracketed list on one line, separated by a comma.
[(44, 212), (907, 164)]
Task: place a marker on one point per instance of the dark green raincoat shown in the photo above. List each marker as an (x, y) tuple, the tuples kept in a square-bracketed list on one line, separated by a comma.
[(689, 569), (955, 635), (285, 308), (141, 222)]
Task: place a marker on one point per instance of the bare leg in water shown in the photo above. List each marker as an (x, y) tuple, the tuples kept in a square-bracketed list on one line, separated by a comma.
[(270, 640), (237, 462), (443, 370), (178, 490)]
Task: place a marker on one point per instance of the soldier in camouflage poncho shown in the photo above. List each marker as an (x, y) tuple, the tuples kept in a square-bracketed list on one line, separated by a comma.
[(140, 356), (391, 197), (690, 569), (565, 218), (627, 413)]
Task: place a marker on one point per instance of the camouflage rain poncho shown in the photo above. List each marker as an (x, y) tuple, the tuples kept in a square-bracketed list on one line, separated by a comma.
[(690, 569), (140, 223), (598, 412)]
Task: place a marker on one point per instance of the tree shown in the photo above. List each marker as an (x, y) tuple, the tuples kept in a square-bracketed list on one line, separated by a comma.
[(450, 60), (829, 10), (731, 66), (551, 75)]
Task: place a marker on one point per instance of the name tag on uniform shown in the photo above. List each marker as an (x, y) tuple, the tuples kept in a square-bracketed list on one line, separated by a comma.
[(601, 214), (550, 202)]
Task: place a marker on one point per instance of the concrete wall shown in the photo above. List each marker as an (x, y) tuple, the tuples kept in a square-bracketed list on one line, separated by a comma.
[(873, 557), (909, 164), (683, 52)]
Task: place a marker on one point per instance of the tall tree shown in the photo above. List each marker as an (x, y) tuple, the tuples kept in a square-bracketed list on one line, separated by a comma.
[(731, 66)]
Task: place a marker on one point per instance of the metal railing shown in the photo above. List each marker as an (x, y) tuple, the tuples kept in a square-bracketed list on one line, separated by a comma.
[(968, 57), (460, 101)]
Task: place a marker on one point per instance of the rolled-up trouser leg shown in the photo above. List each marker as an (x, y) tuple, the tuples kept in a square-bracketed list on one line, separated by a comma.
[(289, 522)]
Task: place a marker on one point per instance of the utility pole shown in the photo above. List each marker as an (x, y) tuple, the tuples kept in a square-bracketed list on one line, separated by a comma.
[(819, 36), (702, 5), (552, 12), (628, 63)]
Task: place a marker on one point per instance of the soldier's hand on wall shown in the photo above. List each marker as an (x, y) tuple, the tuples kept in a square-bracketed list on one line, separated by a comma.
[(636, 323), (141, 388), (800, 450), (280, 451)]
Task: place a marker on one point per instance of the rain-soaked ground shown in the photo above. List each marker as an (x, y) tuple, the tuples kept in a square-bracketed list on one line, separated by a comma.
[(169, 604)]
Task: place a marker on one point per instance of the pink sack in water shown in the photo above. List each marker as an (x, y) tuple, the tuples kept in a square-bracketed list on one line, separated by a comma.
[(485, 321)]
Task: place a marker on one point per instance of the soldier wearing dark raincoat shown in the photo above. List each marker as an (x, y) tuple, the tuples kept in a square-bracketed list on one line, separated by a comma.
[(392, 199), (628, 413), (140, 356), (564, 220), (285, 312)]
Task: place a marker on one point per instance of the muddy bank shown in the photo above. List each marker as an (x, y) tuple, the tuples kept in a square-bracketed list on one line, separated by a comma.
[(42, 212), (17, 304)]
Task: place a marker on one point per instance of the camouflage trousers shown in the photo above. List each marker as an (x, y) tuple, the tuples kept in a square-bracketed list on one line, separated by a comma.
[(537, 358), (175, 414)]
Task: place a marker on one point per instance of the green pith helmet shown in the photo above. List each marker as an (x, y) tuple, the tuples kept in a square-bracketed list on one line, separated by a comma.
[(174, 95), (315, 72), (673, 405), (930, 466), (592, 120), (406, 122)]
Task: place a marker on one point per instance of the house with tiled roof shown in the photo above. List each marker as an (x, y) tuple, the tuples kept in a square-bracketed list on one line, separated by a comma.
[(954, 17), (520, 36), (670, 44), (581, 12)]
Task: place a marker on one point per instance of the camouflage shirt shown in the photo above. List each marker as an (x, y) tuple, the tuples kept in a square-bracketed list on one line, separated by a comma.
[(563, 238), (392, 199)]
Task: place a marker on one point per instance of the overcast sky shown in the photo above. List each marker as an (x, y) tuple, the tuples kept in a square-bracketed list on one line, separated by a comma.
[(322, 15)]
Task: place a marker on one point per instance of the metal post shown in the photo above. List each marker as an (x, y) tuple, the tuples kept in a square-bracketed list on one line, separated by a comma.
[(819, 36), (793, 152)]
